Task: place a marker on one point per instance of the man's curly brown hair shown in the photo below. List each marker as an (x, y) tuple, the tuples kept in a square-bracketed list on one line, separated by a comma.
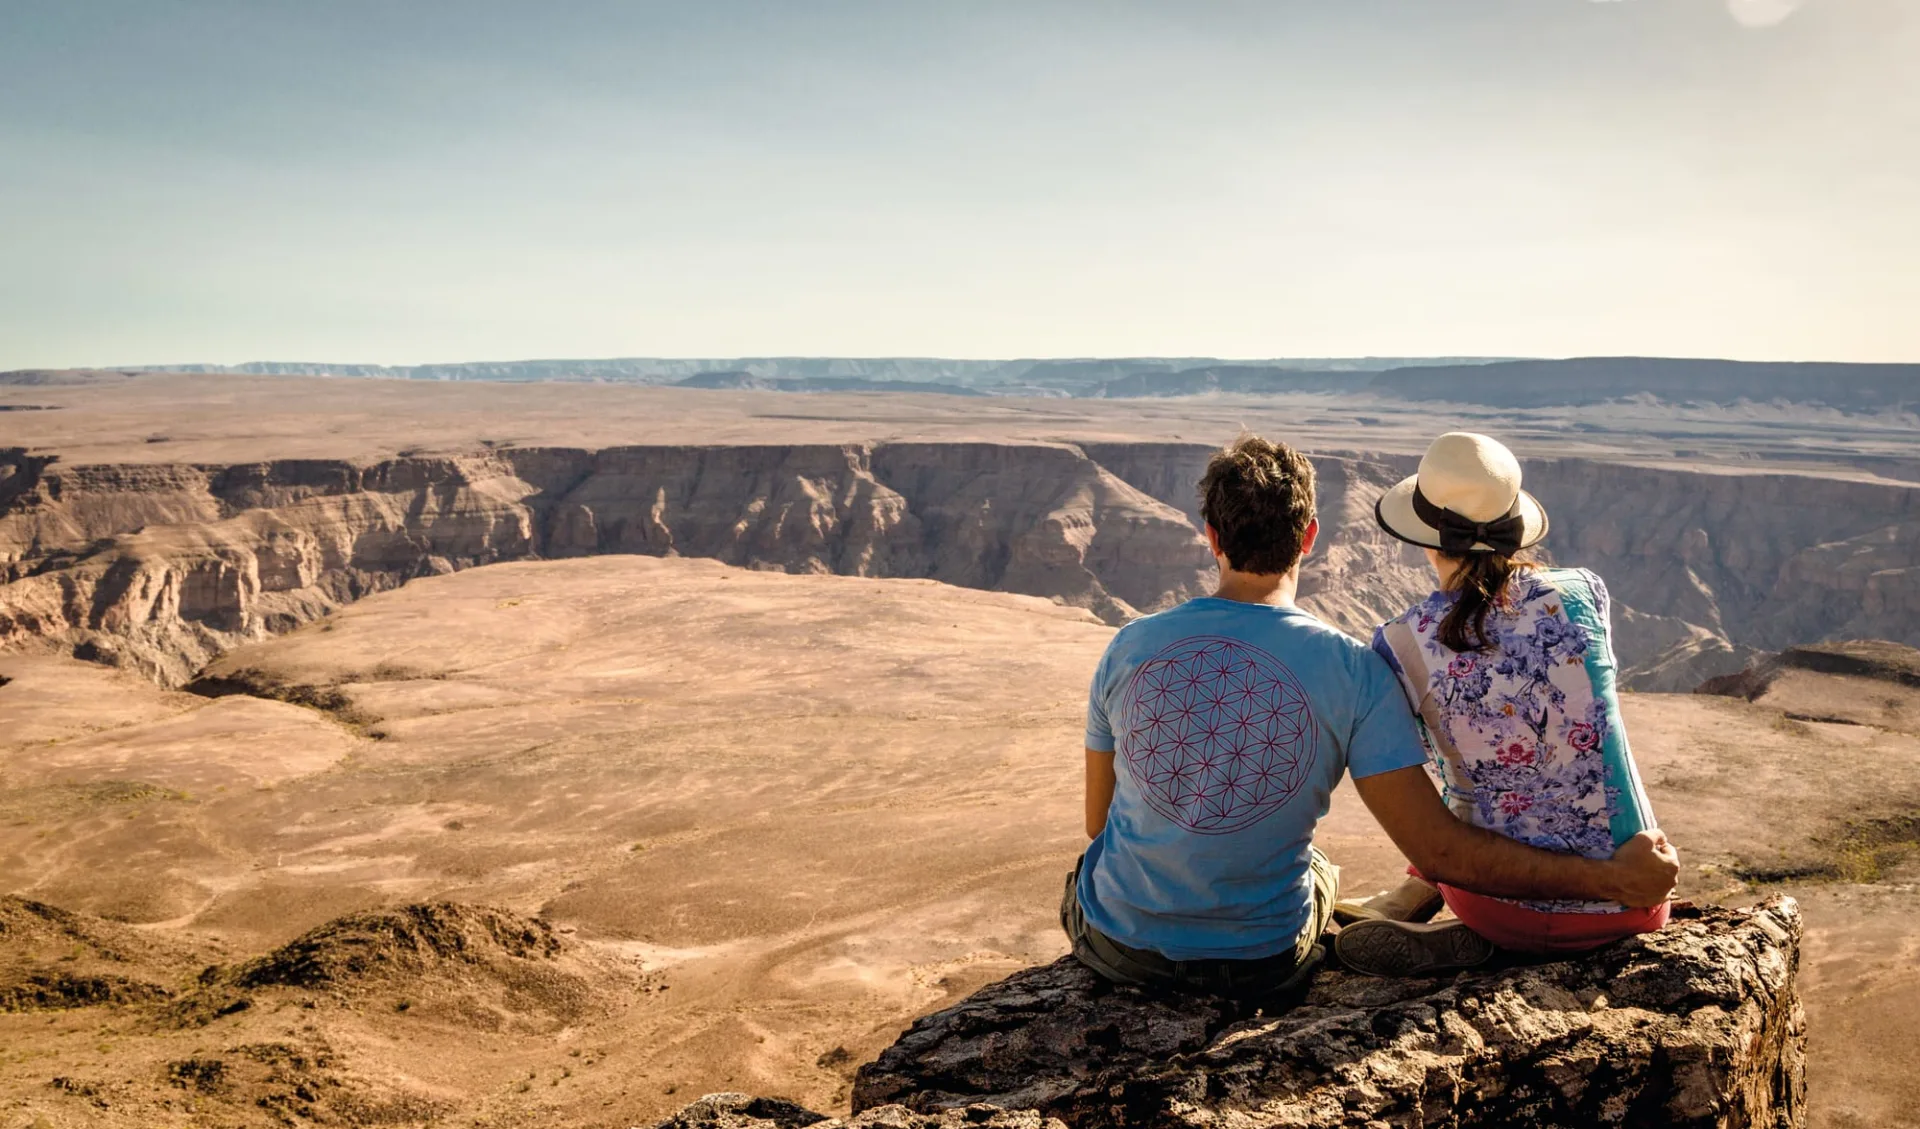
[(1258, 497)]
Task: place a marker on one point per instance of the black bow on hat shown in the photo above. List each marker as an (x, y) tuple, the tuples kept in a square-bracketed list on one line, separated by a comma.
[(1459, 534)]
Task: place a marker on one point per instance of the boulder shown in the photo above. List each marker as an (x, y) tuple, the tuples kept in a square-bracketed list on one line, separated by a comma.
[(1699, 1025)]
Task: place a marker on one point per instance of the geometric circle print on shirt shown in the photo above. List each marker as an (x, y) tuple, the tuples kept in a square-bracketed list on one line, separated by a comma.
[(1217, 733)]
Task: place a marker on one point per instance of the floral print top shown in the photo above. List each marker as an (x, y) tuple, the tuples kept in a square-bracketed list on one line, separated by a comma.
[(1527, 737)]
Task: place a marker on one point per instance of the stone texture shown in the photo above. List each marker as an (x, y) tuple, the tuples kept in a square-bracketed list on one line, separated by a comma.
[(739, 1111), (1699, 1025)]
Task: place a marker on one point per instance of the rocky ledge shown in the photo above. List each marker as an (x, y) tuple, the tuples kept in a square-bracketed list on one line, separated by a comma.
[(741, 1111), (1699, 1025)]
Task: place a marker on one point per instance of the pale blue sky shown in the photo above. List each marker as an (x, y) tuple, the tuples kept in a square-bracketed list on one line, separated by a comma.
[(183, 180)]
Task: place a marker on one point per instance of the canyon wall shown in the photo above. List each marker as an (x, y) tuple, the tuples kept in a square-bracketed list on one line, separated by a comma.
[(1707, 567), (163, 566)]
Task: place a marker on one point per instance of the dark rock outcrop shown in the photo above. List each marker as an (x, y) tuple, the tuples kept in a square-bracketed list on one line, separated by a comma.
[(51, 959), (1861, 658), (1700, 1025), (471, 965), (739, 1111), (1860, 682), (404, 942)]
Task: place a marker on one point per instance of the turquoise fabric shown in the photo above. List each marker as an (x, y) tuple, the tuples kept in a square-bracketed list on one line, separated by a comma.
[(1586, 600)]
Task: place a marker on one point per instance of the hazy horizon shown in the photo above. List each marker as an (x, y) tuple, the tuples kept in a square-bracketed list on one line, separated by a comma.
[(358, 183), (1378, 363)]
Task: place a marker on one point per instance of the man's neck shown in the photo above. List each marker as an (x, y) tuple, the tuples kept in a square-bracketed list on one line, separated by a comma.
[(1258, 587)]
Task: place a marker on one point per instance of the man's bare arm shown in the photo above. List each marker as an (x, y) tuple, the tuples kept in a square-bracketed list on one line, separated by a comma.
[(1099, 791), (1445, 849)]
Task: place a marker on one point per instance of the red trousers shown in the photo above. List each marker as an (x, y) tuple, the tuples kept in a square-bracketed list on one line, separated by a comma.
[(1532, 931)]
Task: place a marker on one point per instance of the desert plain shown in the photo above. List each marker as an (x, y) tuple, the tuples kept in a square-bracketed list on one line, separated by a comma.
[(376, 752)]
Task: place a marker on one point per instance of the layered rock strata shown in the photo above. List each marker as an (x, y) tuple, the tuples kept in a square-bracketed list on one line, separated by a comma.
[(164, 566), (1707, 569), (1700, 1025)]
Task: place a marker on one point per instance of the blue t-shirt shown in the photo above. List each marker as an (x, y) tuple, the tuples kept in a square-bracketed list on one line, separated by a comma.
[(1231, 724)]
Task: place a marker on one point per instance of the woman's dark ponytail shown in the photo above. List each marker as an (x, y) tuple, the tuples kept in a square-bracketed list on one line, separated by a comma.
[(1481, 579)]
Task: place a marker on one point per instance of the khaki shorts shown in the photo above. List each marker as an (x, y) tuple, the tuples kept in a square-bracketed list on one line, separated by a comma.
[(1283, 973)]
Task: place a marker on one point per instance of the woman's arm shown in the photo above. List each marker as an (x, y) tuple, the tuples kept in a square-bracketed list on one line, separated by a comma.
[(1099, 791)]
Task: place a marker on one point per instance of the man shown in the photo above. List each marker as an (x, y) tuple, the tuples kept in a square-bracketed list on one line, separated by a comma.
[(1216, 734)]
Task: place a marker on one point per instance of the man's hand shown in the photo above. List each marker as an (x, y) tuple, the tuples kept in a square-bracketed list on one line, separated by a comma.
[(1648, 867)]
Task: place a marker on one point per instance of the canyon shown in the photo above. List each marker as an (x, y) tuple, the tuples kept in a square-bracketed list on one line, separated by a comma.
[(574, 842), (399, 752), (162, 566)]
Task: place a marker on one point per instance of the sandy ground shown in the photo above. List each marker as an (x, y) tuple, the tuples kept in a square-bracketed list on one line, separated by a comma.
[(818, 806), (775, 817), (226, 419)]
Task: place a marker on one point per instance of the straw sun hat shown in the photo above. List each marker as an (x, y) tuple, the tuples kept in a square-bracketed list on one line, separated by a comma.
[(1465, 499)]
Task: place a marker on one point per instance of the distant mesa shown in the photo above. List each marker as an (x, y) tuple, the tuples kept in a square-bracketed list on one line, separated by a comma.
[(164, 569), (647, 370), (737, 379), (1057, 374), (1590, 380), (1255, 380), (746, 381), (1547, 383), (1490, 381), (44, 377)]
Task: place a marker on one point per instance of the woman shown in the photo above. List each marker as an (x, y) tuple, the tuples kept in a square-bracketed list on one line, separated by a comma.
[(1510, 668)]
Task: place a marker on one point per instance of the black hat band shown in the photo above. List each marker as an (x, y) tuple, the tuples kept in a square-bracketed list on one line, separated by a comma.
[(1459, 534)]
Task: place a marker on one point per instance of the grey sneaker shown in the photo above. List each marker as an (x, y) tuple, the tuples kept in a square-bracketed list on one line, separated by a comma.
[(1399, 948)]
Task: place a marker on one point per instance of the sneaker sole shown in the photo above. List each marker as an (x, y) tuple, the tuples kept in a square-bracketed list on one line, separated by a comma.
[(1398, 948)]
